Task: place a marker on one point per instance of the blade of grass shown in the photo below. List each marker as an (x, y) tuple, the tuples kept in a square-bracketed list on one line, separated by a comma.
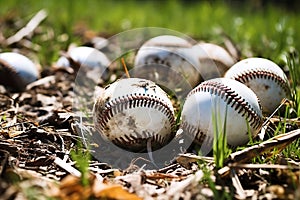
[(220, 146), (293, 64)]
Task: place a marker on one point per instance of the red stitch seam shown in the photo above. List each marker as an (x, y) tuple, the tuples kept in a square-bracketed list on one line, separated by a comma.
[(232, 98), (260, 73), (132, 101)]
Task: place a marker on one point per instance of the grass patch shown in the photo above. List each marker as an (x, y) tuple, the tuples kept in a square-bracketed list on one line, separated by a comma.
[(292, 60), (220, 147), (209, 179), (82, 158), (268, 33)]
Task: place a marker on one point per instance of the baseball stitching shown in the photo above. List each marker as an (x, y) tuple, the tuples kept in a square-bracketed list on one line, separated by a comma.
[(233, 99), (198, 134), (261, 73), (131, 101)]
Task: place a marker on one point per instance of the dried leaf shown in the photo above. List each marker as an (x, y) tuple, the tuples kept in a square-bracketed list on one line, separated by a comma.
[(116, 192), (72, 189)]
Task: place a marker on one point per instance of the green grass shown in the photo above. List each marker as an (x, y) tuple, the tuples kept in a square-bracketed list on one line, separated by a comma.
[(292, 60), (220, 147), (267, 32), (82, 158), (292, 150), (209, 179)]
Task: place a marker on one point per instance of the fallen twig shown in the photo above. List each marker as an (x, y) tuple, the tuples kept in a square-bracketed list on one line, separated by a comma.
[(239, 157), (279, 141), (67, 167), (28, 29), (265, 166), (237, 185)]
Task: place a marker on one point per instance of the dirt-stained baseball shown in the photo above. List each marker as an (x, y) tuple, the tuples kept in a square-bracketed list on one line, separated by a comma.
[(214, 60), (265, 78), (134, 114), (223, 104), (168, 60)]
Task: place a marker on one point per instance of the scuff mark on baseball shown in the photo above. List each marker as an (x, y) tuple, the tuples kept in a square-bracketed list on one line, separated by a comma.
[(265, 78), (132, 112), (221, 98)]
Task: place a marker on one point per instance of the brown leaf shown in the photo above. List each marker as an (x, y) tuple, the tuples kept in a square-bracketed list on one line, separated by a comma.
[(72, 189), (115, 192)]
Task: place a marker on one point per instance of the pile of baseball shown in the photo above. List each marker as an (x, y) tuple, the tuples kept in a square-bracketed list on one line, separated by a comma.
[(221, 95), (217, 92)]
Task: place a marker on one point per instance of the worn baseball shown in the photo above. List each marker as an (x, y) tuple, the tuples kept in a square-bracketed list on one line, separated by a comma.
[(214, 60), (221, 104), (168, 60), (89, 59), (87, 56), (17, 71), (265, 78), (134, 114)]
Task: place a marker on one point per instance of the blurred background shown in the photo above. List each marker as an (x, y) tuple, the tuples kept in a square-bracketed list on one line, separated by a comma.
[(267, 28)]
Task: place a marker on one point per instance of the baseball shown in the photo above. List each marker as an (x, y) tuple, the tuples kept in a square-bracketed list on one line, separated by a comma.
[(265, 78), (214, 60), (216, 101), (134, 113), (168, 60), (87, 56), (93, 61), (17, 71)]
